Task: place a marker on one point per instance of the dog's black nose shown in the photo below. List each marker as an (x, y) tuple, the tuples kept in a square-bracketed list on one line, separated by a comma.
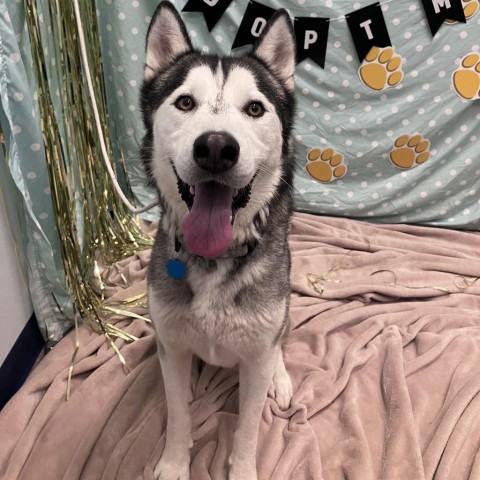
[(216, 152)]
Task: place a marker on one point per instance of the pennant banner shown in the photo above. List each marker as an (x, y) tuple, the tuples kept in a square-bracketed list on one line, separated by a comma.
[(437, 11), (253, 22), (368, 29), (212, 10), (367, 25), (312, 36)]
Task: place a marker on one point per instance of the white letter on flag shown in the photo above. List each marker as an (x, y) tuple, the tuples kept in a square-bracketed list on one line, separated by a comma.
[(366, 26), (258, 26), (311, 36), (437, 4)]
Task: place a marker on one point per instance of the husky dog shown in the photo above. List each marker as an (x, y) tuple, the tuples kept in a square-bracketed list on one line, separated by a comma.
[(218, 149)]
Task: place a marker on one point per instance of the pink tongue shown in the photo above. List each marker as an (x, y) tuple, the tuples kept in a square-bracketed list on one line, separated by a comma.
[(207, 229)]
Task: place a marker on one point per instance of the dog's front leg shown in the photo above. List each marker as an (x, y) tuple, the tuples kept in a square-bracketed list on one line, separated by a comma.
[(255, 377), (176, 370)]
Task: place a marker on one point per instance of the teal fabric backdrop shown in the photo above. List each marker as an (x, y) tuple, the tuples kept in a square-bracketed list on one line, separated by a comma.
[(337, 110), (26, 164), (339, 121)]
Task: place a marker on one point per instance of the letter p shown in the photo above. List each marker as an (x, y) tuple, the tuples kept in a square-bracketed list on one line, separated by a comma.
[(311, 36)]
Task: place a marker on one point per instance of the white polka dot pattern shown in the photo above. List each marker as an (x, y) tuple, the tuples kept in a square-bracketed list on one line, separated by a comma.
[(334, 110), (28, 179)]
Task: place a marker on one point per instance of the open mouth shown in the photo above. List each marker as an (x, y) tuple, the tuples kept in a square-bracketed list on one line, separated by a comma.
[(208, 227)]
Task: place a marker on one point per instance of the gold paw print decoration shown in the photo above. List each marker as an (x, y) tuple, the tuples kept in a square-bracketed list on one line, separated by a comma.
[(466, 78), (470, 8), (381, 69), (326, 165), (408, 152)]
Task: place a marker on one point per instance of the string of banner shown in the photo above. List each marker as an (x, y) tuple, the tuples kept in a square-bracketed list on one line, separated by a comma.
[(367, 25)]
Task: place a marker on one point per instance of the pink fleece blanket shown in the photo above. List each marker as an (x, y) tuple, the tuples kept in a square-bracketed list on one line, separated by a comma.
[(384, 355)]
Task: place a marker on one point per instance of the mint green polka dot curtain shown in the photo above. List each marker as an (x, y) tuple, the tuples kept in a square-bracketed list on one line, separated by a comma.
[(46, 156), (392, 139), (404, 151), (24, 157)]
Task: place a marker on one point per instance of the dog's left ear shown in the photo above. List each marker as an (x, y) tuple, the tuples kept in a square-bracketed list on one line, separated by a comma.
[(167, 39), (276, 47)]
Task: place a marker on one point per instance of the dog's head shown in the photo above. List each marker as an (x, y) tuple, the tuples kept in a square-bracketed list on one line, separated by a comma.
[(218, 128)]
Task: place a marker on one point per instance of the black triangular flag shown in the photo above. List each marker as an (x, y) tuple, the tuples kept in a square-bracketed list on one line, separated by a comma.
[(437, 11), (212, 10), (253, 22), (368, 29), (311, 34)]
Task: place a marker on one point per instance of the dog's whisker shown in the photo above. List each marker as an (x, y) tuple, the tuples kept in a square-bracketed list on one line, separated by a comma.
[(186, 130), (266, 169)]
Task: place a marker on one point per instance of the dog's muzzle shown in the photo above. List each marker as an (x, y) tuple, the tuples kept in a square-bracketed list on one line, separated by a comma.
[(216, 152), (208, 227), (240, 199)]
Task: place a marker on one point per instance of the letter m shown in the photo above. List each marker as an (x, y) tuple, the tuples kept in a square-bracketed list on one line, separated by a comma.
[(438, 4)]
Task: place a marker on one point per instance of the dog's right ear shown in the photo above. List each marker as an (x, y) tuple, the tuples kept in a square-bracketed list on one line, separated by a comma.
[(167, 39), (276, 47)]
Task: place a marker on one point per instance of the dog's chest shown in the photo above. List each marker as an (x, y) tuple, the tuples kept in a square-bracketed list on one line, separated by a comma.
[(219, 319), (213, 304), (221, 326), (215, 354)]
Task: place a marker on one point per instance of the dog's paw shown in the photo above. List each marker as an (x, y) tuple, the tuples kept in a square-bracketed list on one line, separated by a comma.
[(241, 469), (167, 469), (281, 389)]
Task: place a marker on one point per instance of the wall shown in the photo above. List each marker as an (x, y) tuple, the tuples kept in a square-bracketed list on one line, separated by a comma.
[(15, 304)]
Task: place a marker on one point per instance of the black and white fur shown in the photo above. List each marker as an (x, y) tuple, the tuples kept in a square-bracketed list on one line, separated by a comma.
[(229, 309)]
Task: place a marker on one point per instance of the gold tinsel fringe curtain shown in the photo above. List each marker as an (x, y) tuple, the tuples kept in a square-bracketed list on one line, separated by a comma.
[(93, 225)]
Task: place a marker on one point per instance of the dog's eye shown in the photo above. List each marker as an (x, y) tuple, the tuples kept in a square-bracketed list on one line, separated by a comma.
[(185, 103), (255, 109)]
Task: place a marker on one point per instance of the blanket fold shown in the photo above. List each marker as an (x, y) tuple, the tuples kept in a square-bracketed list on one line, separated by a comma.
[(384, 355)]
